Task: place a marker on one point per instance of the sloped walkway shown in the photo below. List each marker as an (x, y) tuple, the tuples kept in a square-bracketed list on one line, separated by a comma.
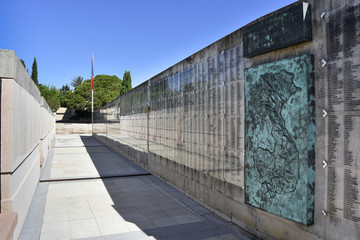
[(88, 191)]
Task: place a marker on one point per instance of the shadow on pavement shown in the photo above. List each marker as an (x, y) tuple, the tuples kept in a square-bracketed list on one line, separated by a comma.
[(150, 208)]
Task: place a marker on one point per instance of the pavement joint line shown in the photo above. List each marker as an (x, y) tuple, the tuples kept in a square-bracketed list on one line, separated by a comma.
[(81, 152), (78, 146), (93, 178)]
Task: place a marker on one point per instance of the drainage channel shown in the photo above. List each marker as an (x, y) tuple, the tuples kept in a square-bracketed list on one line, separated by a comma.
[(93, 178)]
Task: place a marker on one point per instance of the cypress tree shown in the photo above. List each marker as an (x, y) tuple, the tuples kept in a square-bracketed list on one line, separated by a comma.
[(34, 72), (126, 83), (23, 62)]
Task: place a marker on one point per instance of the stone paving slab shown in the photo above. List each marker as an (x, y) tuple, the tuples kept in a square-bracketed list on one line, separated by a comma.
[(83, 157), (132, 207)]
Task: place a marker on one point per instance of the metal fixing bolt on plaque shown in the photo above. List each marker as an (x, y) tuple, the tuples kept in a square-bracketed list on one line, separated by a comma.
[(324, 164), (323, 63), (323, 212), (325, 113)]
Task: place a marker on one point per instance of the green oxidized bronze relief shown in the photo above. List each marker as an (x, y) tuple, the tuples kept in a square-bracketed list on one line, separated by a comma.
[(280, 138)]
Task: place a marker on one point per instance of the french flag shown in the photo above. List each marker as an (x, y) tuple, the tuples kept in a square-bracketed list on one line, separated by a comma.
[(92, 72)]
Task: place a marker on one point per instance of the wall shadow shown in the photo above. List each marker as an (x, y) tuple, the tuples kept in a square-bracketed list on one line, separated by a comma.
[(150, 206)]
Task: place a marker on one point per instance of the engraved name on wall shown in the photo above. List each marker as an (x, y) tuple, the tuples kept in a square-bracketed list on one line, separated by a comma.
[(343, 76), (286, 27)]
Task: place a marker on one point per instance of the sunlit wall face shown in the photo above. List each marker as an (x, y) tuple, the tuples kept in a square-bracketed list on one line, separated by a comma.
[(125, 120), (195, 117)]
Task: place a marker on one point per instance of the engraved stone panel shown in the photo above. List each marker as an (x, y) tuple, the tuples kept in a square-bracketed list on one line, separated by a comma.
[(280, 138), (343, 120), (286, 27)]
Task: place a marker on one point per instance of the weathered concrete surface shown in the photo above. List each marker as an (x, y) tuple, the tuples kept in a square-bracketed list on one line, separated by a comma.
[(12, 68), (8, 223), (47, 130), (73, 128), (27, 127)]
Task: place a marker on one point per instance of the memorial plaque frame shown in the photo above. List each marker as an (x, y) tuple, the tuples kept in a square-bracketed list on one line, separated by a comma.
[(280, 138), (284, 28)]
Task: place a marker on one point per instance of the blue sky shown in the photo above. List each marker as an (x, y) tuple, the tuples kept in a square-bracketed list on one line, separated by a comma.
[(144, 37)]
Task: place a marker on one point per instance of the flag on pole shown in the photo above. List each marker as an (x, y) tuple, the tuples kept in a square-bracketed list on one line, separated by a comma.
[(92, 85), (92, 72)]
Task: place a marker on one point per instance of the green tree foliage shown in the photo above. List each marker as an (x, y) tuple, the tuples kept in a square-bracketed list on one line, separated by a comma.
[(34, 72), (106, 89), (77, 81), (51, 95), (64, 88), (64, 91), (23, 62), (126, 84)]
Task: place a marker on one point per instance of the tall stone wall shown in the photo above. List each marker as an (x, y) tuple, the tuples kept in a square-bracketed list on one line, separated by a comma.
[(261, 126), (27, 129)]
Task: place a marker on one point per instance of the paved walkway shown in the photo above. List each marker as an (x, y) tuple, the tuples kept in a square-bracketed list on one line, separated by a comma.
[(88, 191)]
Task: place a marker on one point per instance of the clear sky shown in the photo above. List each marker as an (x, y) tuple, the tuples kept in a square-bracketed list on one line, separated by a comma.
[(144, 37)]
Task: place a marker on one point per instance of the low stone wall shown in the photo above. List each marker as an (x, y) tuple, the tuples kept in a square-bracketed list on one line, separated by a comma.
[(27, 130), (73, 128)]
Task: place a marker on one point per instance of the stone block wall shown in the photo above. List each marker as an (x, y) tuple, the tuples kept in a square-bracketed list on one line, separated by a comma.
[(27, 129)]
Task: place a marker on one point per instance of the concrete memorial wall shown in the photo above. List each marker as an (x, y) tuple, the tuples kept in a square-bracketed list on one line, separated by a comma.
[(261, 126), (27, 130)]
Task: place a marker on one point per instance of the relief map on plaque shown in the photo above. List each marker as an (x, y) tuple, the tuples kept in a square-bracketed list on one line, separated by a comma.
[(280, 138)]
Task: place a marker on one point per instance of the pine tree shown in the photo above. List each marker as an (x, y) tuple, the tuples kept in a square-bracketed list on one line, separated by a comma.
[(34, 72), (126, 83)]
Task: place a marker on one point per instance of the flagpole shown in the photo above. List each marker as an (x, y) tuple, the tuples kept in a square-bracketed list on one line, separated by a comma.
[(92, 94), (92, 111)]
